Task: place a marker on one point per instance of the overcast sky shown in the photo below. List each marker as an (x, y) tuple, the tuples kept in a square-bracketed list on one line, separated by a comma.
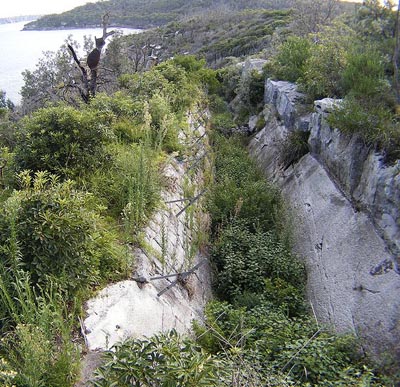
[(38, 7)]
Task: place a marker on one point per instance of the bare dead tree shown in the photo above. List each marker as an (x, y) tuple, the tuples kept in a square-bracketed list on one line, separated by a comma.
[(89, 79)]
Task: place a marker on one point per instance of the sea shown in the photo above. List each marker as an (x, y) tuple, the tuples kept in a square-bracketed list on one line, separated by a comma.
[(21, 50)]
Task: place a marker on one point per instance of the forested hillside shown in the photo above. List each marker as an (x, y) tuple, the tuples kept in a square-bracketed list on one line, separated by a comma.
[(81, 175), (144, 14), (147, 14)]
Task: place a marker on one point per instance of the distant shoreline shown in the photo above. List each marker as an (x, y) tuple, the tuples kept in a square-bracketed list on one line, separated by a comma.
[(83, 27), (19, 19)]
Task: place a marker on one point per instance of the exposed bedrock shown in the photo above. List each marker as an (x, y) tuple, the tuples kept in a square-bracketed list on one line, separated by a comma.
[(345, 218)]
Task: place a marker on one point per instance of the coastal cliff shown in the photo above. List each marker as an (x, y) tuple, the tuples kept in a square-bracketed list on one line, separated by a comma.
[(345, 217)]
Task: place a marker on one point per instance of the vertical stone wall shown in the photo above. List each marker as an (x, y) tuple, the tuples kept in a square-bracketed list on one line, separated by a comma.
[(148, 304), (345, 219)]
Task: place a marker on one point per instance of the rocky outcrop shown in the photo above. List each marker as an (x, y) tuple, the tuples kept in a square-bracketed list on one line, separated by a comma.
[(370, 185), (156, 299), (345, 205)]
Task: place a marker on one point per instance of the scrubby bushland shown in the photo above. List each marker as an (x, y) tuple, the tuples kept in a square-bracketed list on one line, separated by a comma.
[(239, 190), (140, 14), (281, 350), (245, 257), (289, 63), (92, 180), (63, 140), (164, 360), (352, 58), (265, 328), (60, 234)]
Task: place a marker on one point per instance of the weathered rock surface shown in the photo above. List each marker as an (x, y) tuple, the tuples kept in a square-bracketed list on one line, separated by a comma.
[(283, 97), (252, 64), (136, 308), (361, 174), (345, 219)]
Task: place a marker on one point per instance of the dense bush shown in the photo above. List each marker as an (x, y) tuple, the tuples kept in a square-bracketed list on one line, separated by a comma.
[(364, 75), (294, 350), (244, 258), (60, 234), (289, 62), (373, 122), (239, 189), (327, 61), (163, 360), (39, 351), (130, 186), (293, 148), (63, 140)]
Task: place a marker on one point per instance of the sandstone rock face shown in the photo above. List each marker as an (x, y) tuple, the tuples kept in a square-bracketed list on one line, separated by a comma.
[(345, 205), (360, 173), (252, 64), (143, 306), (283, 96)]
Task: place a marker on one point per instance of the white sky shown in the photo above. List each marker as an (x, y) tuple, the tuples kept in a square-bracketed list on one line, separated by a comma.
[(38, 7)]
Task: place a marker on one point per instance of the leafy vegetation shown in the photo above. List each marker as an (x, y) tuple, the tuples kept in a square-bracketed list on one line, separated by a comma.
[(264, 327), (88, 179), (240, 191), (350, 58), (61, 235), (164, 360), (63, 140), (290, 60), (262, 334), (143, 14)]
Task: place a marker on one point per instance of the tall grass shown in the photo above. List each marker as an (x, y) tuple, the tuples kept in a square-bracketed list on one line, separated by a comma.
[(36, 324)]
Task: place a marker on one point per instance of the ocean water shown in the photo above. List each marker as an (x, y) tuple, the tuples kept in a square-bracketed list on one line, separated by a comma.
[(21, 50)]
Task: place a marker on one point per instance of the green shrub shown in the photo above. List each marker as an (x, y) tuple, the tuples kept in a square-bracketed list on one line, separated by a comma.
[(60, 234), (229, 78), (63, 140), (285, 296), (249, 95), (289, 62), (240, 190), (320, 359), (244, 258), (164, 123), (327, 61), (364, 75), (7, 179), (196, 70), (36, 347), (130, 186), (290, 350), (373, 122), (117, 106), (294, 147), (169, 79), (163, 360), (223, 122)]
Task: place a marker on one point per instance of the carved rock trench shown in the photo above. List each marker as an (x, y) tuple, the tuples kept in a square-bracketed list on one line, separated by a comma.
[(345, 219), (132, 309)]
